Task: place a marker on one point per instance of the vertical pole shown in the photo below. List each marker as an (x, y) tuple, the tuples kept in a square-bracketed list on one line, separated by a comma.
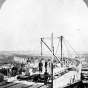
[(52, 58), (41, 46), (61, 51)]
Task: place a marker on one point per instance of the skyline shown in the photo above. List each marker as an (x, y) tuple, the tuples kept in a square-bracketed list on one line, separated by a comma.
[(24, 22)]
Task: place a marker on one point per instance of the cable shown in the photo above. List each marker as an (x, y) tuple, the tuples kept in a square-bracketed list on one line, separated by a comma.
[(69, 54), (71, 47), (57, 46)]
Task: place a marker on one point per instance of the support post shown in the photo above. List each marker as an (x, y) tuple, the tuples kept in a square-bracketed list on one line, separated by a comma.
[(61, 51), (52, 57), (41, 46)]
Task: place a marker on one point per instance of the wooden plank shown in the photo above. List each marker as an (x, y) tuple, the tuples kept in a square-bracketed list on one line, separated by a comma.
[(27, 86), (36, 86), (8, 85), (18, 86), (44, 86), (26, 83)]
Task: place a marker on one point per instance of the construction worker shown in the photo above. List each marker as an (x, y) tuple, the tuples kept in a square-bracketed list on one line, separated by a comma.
[(45, 65), (40, 66), (10, 71), (45, 77)]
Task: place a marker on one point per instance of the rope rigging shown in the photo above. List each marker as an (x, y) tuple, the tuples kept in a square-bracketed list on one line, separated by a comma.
[(57, 46), (71, 47), (68, 51)]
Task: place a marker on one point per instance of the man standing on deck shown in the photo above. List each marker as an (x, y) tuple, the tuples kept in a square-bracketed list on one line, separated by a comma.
[(45, 77), (49, 67), (45, 65), (28, 66), (10, 71), (40, 66)]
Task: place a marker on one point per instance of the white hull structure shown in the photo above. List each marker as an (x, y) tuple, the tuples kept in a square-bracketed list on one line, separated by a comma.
[(68, 78)]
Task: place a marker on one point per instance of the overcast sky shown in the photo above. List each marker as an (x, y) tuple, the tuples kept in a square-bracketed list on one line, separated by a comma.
[(24, 22)]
